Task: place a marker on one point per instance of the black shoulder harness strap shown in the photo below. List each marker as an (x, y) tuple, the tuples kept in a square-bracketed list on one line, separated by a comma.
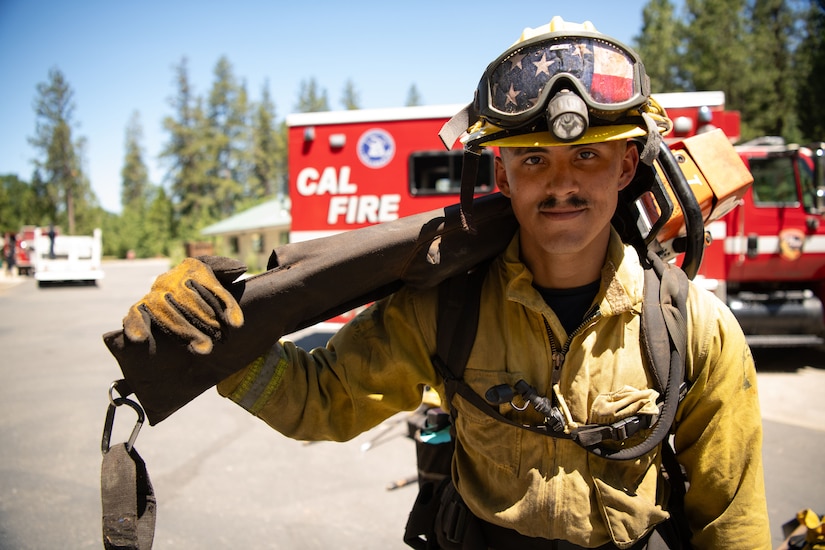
[(664, 341), (459, 302)]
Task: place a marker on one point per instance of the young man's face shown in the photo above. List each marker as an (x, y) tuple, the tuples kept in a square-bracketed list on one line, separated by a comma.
[(564, 196)]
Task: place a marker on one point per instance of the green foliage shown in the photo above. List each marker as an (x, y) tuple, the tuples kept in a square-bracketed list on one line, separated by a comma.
[(717, 48), (810, 61), (225, 153), (134, 174), (59, 182), (224, 141), (351, 99), (157, 227), (145, 225), (312, 98), (186, 151), (770, 101), (268, 151), (659, 46), (18, 204), (766, 55)]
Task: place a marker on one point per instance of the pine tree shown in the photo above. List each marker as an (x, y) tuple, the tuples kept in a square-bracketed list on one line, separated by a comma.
[(268, 151), (810, 66), (134, 175), (770, 101), (311, 97), (226, 139), (186, 152), (59, 180), (157, 225), (717, 48), (659, 46), (351, 99), (141, 233)]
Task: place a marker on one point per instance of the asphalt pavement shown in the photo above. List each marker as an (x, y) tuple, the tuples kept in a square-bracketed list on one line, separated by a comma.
[(226, 480)]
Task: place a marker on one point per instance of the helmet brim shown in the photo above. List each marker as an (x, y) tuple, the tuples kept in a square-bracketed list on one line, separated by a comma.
[(485, 136)]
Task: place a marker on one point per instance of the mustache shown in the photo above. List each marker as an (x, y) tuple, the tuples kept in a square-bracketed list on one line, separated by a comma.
[(574, 201)]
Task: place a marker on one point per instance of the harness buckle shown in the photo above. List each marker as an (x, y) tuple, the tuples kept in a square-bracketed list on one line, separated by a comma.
[(629, 426)]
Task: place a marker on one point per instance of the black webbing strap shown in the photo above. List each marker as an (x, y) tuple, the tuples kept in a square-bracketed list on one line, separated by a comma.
[(128, 501), (664, 341), (459, 301), (678, 489), (587, 435), (127, 497), (469, 175)]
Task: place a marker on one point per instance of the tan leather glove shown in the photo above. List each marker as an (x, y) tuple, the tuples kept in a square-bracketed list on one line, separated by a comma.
[(189, 301)]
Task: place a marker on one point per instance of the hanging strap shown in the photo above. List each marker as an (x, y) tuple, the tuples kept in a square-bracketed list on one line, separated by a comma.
[(469, 176), (127, 497), (678, 489)]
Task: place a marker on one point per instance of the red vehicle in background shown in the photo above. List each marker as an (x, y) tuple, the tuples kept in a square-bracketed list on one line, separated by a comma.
[(24, 247), (765, 258)]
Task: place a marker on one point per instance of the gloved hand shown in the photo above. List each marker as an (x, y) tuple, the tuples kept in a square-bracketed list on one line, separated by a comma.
[(191, 302)]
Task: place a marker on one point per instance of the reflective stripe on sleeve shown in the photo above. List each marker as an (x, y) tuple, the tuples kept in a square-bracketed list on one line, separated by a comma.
[(264, 377)]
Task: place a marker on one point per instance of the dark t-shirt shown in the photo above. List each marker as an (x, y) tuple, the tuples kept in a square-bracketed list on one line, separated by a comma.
[(570, 304)]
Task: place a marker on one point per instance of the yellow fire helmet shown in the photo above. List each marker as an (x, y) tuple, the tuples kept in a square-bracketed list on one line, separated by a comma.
[(560, 84)]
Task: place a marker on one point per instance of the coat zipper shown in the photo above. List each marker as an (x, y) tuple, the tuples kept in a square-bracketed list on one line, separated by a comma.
[(558, 356)]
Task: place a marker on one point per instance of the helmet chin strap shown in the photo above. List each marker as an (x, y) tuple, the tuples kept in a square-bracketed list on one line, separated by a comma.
[(469, 172)]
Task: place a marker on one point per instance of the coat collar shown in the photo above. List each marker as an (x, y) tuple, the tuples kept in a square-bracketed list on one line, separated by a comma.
[(622, 281)]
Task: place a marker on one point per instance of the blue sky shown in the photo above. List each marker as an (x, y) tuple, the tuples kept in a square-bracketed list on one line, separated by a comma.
[(119, 57)]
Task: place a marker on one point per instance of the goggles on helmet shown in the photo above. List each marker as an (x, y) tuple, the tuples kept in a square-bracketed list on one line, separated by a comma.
[(559, 84), (516, 87)]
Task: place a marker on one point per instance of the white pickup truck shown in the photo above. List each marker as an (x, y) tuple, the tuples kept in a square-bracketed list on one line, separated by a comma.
[(65, 258)]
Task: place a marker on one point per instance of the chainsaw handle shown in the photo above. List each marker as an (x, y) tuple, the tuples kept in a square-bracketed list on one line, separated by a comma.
[(693, 219)]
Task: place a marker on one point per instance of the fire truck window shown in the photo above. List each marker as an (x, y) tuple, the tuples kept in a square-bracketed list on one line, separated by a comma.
[(439, 173), (810, 197), (773, 182)]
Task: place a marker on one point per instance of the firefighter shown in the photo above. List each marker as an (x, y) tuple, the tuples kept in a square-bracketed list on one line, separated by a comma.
[(560, 308)]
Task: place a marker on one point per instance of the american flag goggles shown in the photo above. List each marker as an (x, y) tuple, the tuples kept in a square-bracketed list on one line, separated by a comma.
[(515, 88)]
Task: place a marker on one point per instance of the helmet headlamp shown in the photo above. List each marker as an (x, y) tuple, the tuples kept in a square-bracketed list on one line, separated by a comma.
[(567, 116)]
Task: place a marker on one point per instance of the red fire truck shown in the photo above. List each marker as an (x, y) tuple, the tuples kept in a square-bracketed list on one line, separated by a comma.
[(767, 257), (349, 169)]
